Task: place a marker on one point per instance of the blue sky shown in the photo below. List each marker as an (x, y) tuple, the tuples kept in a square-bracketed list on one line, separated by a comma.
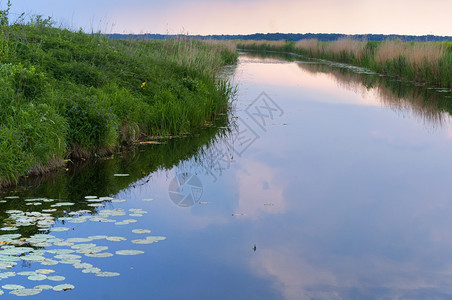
[(415, 17)]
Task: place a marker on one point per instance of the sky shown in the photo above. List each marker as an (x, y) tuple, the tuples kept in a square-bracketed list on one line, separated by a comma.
[(413, 17)]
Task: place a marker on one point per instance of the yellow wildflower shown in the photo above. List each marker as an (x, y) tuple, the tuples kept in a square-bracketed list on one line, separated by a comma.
[(143, 84)]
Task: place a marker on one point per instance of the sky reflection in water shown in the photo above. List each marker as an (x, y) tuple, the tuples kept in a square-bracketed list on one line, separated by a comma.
[(345, 195)]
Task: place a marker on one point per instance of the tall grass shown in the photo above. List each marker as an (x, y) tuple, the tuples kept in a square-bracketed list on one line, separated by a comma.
[(74, 94), (426, 62)]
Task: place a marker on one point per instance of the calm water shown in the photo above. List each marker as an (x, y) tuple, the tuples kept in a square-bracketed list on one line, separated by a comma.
[(325, 183)]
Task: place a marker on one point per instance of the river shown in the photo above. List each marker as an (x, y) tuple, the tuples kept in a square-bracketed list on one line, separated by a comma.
[(324, 182)]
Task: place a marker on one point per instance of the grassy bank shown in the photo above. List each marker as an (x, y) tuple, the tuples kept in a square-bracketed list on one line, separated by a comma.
[(429, 62), (71, 94)]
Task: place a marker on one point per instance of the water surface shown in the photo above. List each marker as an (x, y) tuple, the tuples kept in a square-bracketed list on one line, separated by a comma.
[(325, 182)]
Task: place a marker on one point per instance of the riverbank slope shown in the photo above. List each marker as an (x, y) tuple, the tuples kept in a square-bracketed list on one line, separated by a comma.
[(72, 95)]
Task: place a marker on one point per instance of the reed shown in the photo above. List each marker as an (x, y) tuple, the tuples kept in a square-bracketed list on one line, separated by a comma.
[(426, 62)]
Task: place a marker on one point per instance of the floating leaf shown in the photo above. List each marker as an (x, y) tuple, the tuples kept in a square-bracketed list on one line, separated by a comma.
[(9, 228), (68, 256), (12, 287), (56, 278), (78, 240), (84, 246), (99, 255), (149, 240), (129, 252), (26, 292), (45, 271), (83, 266), (107, 274), (63, 287), (43, 287), (49, 262), (97, 237), (27, 273), (37, 277), (61, 251), (91, 270), (140, 231), (116, 238), (60, 229)]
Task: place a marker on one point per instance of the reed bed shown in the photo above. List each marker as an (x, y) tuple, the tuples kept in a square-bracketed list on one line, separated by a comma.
[(426, 62)]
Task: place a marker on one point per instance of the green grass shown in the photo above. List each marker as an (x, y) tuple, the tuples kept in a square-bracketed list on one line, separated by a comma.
[(71, 94)]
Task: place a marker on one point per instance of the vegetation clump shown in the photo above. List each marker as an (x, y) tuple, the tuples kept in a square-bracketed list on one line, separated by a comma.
[(72, 94)]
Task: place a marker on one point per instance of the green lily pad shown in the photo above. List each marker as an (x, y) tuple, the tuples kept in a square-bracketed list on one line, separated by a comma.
[(129, 252), (83, 266), (60, 229), (116, 238), (26, 292), (43, 287), (107, 274), (12, 287), (141, 231), (91, 270), (63, 287), (56, 278), (68, 256), (97, 237), (37, 277), (99, 255), (45, 271)]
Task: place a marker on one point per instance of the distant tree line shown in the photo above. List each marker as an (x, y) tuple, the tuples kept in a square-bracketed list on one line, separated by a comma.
[(324, 37)]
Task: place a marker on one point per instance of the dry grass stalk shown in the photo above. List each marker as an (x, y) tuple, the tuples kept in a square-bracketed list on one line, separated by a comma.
[(418, 55)]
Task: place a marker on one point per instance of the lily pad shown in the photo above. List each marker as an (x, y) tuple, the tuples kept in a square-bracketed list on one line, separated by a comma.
[(26, 292), (91, 270), (63, 287), (97, 237), (141, 231), (68, 256), (107, 274), (45, 271), (116, 238), (37, 277), (83, 266), (60, 229), (78, 240), (43, 287), (12, 287), (129, 252), (99, 255), (56, 278)]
